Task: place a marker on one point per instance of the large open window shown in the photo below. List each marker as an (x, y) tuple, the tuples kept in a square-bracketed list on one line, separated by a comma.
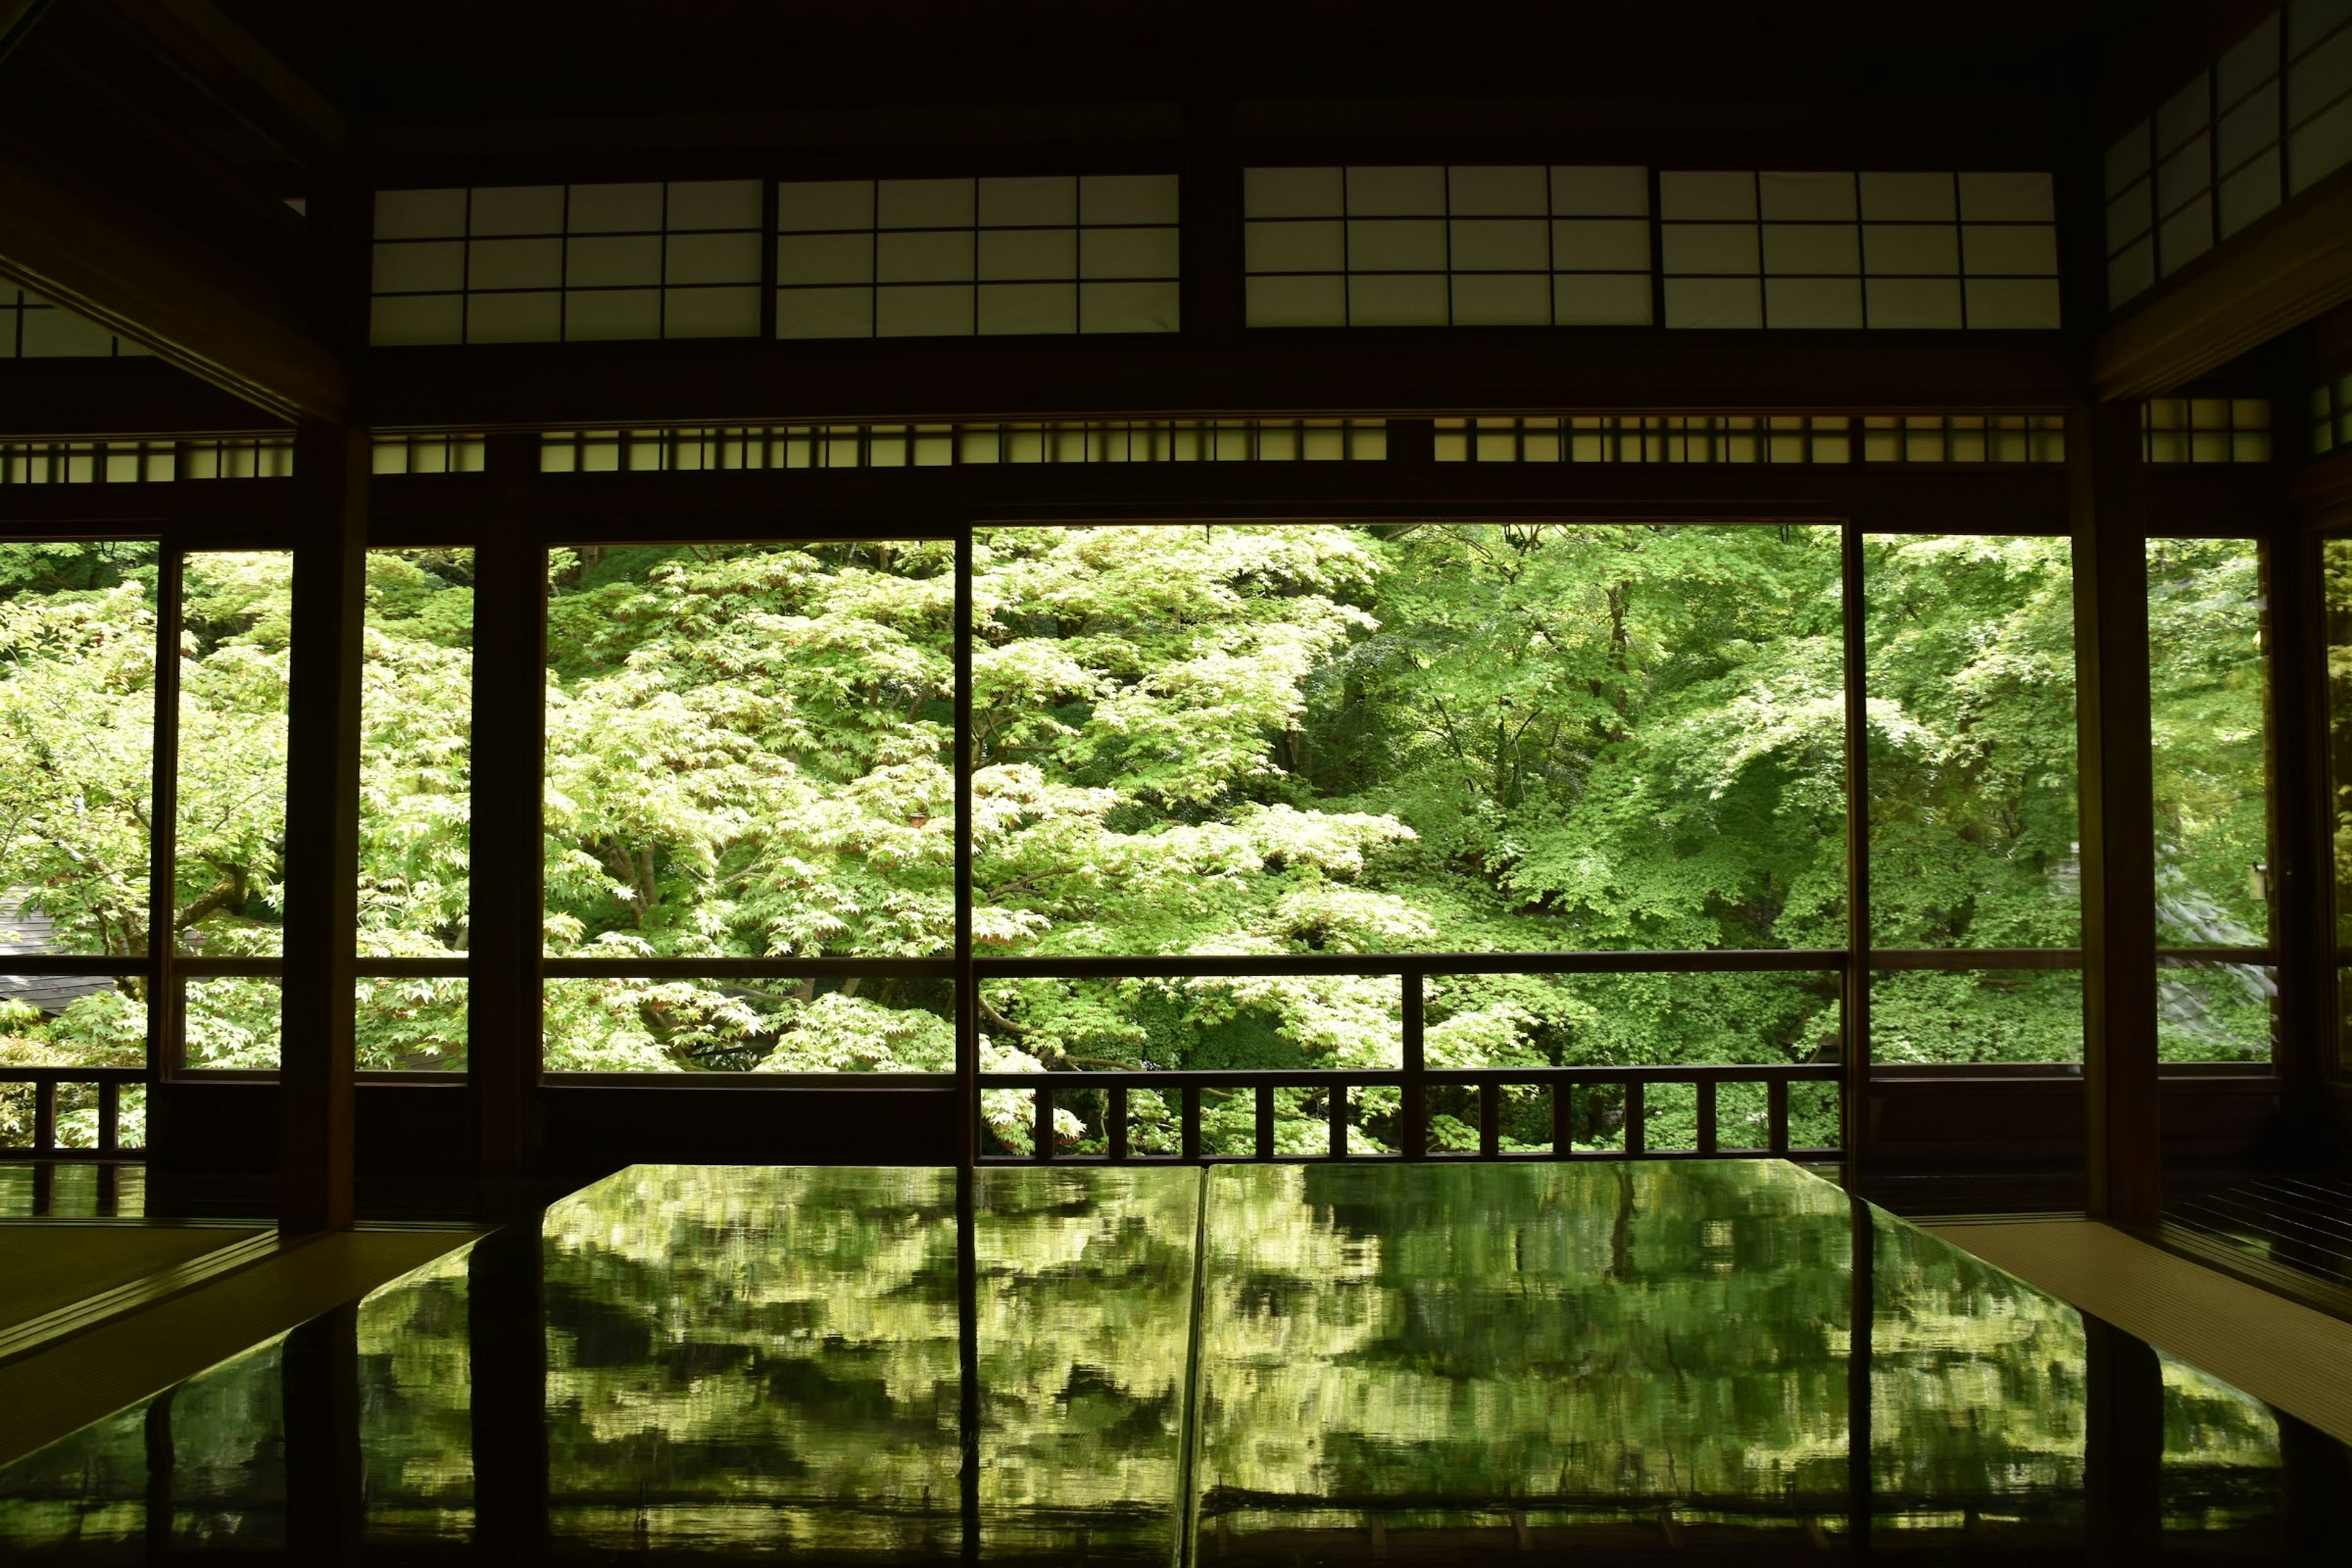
[(1529, 834), (750, 808)]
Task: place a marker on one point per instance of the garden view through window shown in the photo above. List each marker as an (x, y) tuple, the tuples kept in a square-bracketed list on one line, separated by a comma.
[(1197, 740)]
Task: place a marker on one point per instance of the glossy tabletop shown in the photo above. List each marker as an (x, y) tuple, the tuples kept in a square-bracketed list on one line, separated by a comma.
[(1243, 1363)]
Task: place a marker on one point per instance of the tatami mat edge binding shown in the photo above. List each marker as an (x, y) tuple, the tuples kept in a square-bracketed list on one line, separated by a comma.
[(148, 1290), (65, 1386), (2276, 1350)]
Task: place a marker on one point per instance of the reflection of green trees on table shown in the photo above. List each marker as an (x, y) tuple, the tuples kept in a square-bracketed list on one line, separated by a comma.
[(747, 1361)]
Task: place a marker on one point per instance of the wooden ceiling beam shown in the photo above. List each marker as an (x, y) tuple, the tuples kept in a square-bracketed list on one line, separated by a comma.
[(2289, 269), (242, 75), (1300, 372), (71, 240)]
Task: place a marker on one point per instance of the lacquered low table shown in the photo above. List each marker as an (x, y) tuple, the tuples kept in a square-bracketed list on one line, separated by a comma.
[(1290, 1364)]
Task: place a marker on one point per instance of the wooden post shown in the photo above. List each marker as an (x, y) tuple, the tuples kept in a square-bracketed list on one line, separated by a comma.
[(322, 788), (1854, 984), (2124, 1168), (2301, 853), (503, 1008), (967, 984)]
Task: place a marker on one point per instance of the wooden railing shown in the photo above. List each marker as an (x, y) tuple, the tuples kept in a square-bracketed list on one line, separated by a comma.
[(45, 1082), (1049, 1090)]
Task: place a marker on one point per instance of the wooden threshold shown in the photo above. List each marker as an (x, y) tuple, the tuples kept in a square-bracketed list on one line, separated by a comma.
[(66, 1385), (2279, 1350)]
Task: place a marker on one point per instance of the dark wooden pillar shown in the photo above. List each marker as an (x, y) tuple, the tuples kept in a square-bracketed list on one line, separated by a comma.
[(2301, 854), (967, 984), (1855, 1122), (503, 1006), (323, 767), (2125, 1171)]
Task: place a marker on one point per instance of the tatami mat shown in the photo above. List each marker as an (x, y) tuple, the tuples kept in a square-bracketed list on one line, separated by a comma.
[(54, 1392), (53, 1264), (2275, 1349)]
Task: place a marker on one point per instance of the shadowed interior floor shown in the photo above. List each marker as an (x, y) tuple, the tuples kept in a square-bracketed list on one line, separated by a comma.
[(55, 1391), (55, 1264)]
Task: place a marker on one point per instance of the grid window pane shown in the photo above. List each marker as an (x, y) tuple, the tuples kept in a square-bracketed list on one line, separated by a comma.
[(1397, 300), (1025, 254), (1209, 676), (516, 209), (1600, 300), (236, 614), (1050, 201), (825, 314), (1021, 308), (514, 318), (603, 263), (532, 258), (1127, 253), (1912, 197), (825, 258), (925, 204), (1600, 192), (805, 206), (1298, 302), (1715, 302), (613, 313), (615, 209), (1127, 307), (810, 683), (1812, 248), (77, 648), (923, 257), (2210, 743), (1951, 1017), (417, 267), (232, 1024), (713, 205), (1293, 192), (1019, 239), (1490, 245), (1502, 299), (691, 258), (1127, 199), (420, 215), (1685, 194), (1309, 246), (1600, 245), (923, 312), (1971, 680), (1801, 303)]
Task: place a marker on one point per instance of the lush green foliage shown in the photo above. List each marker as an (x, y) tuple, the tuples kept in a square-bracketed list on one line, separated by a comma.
[(1203, 740)]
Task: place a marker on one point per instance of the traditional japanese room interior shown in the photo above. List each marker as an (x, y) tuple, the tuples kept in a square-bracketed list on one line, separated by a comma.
[(1212, 784)]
